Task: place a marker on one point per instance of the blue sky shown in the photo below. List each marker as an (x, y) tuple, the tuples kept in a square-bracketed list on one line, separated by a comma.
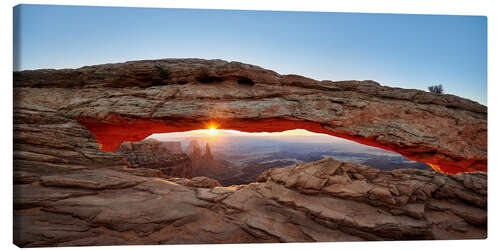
[(408, 51)]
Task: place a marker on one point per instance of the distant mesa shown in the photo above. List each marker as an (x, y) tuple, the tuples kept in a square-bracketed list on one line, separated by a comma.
[(153, 154)]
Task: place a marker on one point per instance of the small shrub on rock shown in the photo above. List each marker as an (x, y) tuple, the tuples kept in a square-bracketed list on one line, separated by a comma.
[(438, 89)]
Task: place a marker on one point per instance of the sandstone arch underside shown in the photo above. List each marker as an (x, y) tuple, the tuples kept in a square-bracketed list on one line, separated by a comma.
[(77, 111)]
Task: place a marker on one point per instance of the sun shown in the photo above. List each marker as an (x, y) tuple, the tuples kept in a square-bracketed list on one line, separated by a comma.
[(212, 131)]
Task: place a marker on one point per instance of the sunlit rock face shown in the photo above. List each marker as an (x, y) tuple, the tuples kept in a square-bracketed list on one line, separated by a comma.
[(153, 154), (129, 101)]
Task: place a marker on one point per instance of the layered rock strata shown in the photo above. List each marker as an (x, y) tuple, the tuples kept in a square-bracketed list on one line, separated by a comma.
[(153, 154), (129, 101), (319, 201)]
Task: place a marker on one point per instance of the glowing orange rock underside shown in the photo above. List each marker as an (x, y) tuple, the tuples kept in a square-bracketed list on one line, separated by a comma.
[(111, 135)]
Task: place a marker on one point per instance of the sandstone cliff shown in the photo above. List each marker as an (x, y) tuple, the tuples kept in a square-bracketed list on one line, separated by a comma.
[(129, 101), (204, 163), (154, 155), (194, 150), (208, 152)]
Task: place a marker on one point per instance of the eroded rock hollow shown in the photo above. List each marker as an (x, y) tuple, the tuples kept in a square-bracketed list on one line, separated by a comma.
[(71, 188)]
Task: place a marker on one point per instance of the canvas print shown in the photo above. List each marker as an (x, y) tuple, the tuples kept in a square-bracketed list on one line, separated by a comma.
[(140, 126)]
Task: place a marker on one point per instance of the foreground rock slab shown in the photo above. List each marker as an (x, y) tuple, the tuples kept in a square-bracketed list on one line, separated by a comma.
[(325, 200)]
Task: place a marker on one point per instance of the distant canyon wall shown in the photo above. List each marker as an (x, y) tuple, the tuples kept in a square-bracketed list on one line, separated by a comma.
[(154, 154)]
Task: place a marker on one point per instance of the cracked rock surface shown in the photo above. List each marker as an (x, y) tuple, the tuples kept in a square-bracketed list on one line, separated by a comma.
[(325, 200)]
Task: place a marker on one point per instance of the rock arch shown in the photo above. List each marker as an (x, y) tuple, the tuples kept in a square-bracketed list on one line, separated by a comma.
[(107, 104)]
